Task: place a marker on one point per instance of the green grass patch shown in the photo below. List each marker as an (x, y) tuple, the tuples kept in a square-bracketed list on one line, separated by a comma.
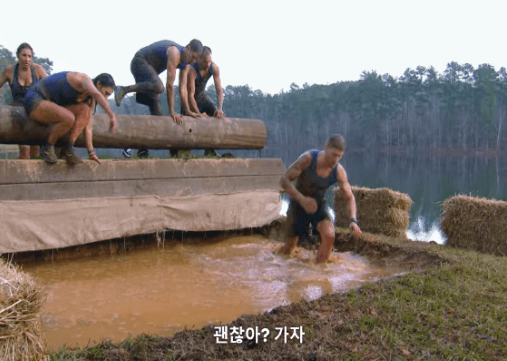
[(454, 309)]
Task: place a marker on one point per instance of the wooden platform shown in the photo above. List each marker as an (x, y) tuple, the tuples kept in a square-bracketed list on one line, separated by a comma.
[(53, 206)]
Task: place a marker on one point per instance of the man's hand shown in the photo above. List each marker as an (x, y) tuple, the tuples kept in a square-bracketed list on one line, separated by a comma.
[(178, 119), (309, 204), (355, 229), (219, 114)]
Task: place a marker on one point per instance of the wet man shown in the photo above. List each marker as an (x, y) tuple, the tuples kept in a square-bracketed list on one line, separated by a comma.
[(147, 64), (199, 103), (314, 172)]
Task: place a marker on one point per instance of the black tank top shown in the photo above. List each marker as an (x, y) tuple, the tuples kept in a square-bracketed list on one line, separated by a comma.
[(310, 184), (200, 81), (156, 55), (18, 90)]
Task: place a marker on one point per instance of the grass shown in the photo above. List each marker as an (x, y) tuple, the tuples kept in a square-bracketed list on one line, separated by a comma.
[(453, 309)]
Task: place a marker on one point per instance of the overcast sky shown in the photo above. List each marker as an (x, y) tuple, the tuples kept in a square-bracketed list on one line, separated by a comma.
[(267, 44)]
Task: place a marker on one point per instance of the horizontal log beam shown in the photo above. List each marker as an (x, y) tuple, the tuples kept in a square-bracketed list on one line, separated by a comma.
[(143, 131)]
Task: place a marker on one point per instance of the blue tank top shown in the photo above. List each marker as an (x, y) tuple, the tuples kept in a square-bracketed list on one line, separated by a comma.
[(19, 91), (310, 184), (200, 82), (58, 89)]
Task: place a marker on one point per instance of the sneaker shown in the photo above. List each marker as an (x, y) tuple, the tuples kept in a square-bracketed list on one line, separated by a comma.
[(127, 153), (48, 152), (69, 154), (211, 152), (119, 93), (143, 153)]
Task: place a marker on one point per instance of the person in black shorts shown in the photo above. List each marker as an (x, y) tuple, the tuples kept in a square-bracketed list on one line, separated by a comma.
[(147, 64), (21, 77), (314, 172), (66, 100), (199, 103)]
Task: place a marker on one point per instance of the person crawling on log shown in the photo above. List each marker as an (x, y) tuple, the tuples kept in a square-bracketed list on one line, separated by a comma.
[(314, 172), (150, 61), (20, 77), (67, 99), (199, 103)]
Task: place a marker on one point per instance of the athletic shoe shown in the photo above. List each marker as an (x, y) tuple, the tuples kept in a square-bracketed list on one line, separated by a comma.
[(210, 152), (127, 153), (143, 153), (119, 93), (69, 154), (48, 152)]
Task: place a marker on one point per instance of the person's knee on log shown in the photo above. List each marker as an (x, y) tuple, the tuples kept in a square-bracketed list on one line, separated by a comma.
[(83, 115), (48, 112)]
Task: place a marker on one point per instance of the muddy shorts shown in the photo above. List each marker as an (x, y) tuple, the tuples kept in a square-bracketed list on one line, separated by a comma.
[(33, 97), (144, 73), (205, 104), (298, 219)]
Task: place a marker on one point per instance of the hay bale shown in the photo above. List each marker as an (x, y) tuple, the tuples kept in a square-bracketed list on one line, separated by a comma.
[(379, 211), (475, 223), (20, 325)]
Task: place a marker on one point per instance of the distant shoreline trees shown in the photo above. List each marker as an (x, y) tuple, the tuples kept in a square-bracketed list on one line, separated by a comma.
[(461, 109)]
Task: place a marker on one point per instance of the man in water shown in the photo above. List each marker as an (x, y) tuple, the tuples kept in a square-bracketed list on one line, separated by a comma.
[(199, 103), (147, 64), (314, 172)]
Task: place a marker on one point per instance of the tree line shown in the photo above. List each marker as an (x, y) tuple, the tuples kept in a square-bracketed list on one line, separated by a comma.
[(462, 108)]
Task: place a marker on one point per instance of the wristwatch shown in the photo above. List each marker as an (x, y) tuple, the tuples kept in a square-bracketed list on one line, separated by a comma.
[(353, 220)]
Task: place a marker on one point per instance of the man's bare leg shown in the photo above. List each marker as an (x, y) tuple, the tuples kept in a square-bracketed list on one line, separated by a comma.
[(156, 87), (289, 245), (327, 234)]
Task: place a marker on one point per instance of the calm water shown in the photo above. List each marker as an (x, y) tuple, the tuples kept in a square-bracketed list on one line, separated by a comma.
[(428, 180)]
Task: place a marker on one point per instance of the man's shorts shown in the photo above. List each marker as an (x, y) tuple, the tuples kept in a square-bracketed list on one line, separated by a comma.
[(204, 103), (144, 72), (298, 219)]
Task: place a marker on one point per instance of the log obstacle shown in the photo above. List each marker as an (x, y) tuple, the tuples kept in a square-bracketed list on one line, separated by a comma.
[(143, 131), (55, 206)]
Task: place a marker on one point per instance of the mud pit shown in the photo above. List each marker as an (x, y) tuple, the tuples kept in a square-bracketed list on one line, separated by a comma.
[(184, 284)]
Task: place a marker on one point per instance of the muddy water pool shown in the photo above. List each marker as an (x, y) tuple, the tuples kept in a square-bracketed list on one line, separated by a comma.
[(181, 284)]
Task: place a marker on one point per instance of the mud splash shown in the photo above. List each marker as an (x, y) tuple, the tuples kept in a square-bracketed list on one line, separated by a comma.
[(184, 285)]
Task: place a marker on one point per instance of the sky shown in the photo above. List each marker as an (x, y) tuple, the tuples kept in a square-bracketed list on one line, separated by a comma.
[(265, 44)]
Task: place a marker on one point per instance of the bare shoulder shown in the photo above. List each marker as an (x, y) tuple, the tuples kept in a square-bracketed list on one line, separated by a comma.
[(216, 69), (173, 55), (40, 71), (8, 72), (341, 174), (302, 162), (79, 81)]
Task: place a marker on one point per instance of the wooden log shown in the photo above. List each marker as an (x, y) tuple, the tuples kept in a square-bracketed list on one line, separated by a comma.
[(143, 131)]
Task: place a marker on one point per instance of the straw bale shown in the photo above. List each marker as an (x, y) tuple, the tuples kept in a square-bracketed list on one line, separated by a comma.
[(475, 223), (379, 211), (20, 325)]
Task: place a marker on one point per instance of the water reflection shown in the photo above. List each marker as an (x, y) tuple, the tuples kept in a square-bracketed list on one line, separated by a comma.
[(428, 180)]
